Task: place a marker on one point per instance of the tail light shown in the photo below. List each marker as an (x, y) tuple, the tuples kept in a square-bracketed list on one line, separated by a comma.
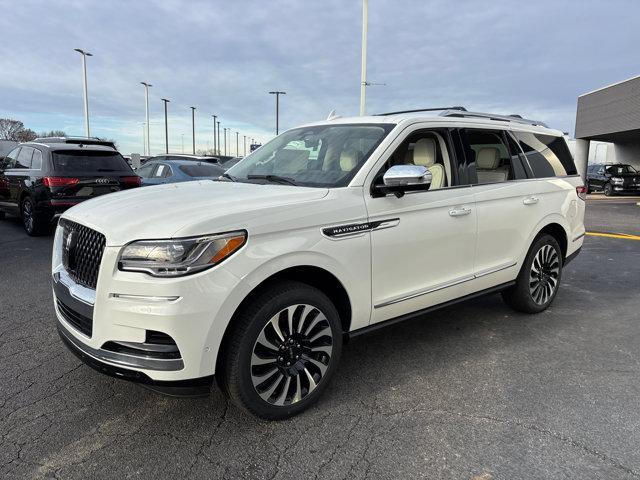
[(582, 192), (59, 181), (132, 181)]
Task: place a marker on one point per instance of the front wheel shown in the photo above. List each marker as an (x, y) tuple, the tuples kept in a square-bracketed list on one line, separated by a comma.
[(539, 278), (282, 351), (608, 190)]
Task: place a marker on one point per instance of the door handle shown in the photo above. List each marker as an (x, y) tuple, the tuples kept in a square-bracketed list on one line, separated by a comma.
[(458, 212), (531, 200)]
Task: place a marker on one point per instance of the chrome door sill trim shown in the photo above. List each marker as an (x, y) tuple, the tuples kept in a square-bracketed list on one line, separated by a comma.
[(489, 271), (121, 359)]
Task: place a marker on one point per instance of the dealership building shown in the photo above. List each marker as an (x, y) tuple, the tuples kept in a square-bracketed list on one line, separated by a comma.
[(609, 114)]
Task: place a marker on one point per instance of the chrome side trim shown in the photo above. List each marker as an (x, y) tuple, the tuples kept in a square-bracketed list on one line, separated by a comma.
[(355, 229), (424, 292), (579, 237), (145, 298), (121, 359), (442, 286), (79, 292), (489, 271)]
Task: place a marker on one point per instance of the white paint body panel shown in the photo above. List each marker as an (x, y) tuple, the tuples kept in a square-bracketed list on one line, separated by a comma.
[(429, 257)]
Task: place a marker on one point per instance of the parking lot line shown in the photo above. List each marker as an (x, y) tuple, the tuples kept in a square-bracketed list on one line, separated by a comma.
[(614, 235)]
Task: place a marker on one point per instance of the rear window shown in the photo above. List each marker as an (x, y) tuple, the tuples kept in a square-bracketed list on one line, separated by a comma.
[(202, 170), (89, 161), (548, 156)]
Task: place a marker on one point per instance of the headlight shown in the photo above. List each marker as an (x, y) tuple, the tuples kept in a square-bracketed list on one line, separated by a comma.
[(617, 180), (179, 256)]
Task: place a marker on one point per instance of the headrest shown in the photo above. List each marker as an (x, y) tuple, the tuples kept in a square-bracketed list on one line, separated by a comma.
[(424, 152), (488, 158), (349, 159)]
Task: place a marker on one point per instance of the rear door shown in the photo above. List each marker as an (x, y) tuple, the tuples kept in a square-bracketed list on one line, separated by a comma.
[(83, 173), (18, 175), (504, 203)]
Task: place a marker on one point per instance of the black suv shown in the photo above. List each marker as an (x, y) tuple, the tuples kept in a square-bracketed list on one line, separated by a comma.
[(41, 179), (613, 178)]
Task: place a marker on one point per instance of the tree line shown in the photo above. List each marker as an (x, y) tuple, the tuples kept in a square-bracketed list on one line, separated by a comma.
[(15, 130)]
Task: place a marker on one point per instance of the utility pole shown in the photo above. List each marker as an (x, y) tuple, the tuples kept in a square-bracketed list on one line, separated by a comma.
[(193, 128), (146, 108), (85, 92), (277, 94), (166, 126), (215, 145), (363, 66)]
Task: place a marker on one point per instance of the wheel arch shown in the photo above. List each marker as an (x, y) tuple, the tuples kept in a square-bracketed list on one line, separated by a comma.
[(555, 227)]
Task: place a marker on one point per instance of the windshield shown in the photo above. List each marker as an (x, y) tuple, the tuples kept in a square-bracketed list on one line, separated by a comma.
[(319, 156), (621, 169), (89, 161)]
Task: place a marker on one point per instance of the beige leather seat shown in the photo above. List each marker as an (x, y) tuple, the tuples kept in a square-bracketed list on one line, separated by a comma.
[(424, 153), (349, 159), (488, 166)]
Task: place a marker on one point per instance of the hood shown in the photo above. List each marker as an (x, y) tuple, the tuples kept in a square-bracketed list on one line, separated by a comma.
[(185, 209)]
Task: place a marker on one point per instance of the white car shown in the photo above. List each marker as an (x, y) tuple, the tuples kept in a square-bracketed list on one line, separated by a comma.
[(328, 231)]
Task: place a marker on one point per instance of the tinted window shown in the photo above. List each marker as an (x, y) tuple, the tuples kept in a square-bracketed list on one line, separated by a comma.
[(36, 160), (89, 161), (548, 156), (620, 169), (24, 158), (10, 160), (201, 170), (162, 171), (494, 161)]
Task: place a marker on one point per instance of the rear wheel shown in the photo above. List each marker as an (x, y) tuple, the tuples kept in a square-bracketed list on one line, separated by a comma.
[(33, 222), (539, 278), (282, 351), (608, 190)]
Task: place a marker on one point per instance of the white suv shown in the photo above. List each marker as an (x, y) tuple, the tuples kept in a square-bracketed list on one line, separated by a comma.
[(328, 231)]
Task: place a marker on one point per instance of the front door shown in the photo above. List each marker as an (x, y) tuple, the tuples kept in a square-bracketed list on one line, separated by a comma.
[(422, 244)]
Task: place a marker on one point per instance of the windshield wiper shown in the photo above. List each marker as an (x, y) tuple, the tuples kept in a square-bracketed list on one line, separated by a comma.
[(273, 179), (229, 177)]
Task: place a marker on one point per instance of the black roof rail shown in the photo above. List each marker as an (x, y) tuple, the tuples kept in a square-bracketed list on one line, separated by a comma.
[(430, 109), (76, 141), (492, 116)]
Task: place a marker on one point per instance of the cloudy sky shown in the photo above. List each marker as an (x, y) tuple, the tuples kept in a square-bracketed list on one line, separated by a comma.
[(505, 56)]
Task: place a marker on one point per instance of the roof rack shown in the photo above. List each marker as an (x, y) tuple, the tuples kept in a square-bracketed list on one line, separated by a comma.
[(491, 116), (76, 141), (430, 109)]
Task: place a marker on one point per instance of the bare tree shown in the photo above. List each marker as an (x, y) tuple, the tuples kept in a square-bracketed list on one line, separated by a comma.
[(9, 129), (53, 133)]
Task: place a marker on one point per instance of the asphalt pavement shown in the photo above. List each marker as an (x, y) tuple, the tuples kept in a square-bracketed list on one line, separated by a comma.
[(474, 391)]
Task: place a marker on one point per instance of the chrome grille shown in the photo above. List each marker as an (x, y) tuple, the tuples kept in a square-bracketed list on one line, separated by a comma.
[(82, 250)]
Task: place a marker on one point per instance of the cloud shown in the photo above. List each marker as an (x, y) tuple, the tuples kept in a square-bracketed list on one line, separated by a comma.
[(507, 56)]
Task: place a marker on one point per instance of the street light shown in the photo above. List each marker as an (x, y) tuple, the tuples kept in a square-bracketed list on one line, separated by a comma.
[(237, 143), (277, 94), (245, 145), (193, 128), (225, 141), (166, 126), (182, 142), (84, 89), (363, 65), (218, 129), (214, 135), (146, 108)]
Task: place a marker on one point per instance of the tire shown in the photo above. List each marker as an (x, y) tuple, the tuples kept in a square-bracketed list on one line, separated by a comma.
[(34, 223), (539, 278), (281, 351), (589, 189), (608, 190)]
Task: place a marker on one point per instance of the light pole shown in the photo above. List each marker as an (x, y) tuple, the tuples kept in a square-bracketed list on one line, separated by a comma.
[(144, 142), (237, 143), (214, 135), (166, 126), (182, 142), (277, 94), (219, 142), (363, 66), (193, 128), (245, 145), (84, 89), (225, 141), (146, 108)]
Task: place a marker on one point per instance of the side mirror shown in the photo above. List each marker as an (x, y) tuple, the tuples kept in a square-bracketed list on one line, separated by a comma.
[(404, 178)]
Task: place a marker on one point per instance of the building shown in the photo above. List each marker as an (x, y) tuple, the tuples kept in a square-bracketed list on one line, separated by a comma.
[(609, 114)]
